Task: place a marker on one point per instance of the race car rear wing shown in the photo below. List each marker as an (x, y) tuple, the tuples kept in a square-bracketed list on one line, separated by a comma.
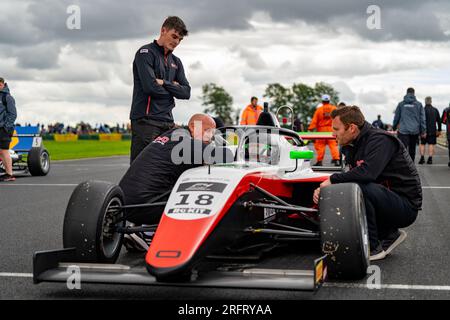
[(59, 266), (25, 138)]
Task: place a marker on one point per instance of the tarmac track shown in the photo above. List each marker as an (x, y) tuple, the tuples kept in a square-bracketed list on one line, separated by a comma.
[(32, 213)]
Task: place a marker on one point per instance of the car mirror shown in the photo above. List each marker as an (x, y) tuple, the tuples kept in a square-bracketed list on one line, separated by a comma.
[(303, 154)]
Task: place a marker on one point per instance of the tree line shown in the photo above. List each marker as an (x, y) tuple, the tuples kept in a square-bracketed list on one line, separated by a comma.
[(302, 98)]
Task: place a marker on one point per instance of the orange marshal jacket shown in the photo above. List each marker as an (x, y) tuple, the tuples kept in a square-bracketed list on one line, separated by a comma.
[(322, 118), (250, 116)]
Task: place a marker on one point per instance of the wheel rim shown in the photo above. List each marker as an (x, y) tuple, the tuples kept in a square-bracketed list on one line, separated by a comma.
[(364, 231), (45, 163), (111, 240)]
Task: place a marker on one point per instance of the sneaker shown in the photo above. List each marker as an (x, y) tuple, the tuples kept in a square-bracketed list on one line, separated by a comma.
[(318, 164), (430, 160), (135, 242), (377, 254), (7, 177), (337, 163), (393, 240), (422, 160)]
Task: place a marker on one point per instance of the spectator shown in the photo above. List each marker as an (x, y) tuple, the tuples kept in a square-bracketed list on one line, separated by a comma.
[(8, 115), (378, 123), (432, 119), (298, 124), (341, 105), (409, 120), (446, 122)]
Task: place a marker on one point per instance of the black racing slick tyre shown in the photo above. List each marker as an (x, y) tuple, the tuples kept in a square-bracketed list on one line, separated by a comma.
[(91, 221), (38, 161), (343, 231)]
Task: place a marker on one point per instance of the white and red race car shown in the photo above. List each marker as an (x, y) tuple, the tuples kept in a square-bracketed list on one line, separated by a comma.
[(220, 221)]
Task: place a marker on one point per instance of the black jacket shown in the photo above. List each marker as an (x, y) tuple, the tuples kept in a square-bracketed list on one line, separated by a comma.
[(432, 118), (161, 163), (380, 157), (150, 99)]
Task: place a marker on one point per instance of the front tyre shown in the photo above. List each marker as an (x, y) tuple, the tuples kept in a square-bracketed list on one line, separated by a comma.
[(91, 221), (343, 230)]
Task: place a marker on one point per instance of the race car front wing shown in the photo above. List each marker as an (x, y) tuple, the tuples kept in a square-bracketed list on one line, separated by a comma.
[(60, 266)]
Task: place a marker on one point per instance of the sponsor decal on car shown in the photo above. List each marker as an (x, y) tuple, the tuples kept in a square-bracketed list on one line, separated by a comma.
[(202, 186)]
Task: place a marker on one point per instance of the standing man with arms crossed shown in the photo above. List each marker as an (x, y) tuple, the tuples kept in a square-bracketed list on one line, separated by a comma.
[(158, 79), (8, 115), (409, 119)]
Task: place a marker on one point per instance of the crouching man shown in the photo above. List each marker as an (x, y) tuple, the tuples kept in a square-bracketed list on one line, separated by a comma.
[(157, 168), (380, 164)]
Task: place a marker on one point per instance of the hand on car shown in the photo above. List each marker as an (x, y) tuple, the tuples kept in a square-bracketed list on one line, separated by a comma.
[(317, 191)]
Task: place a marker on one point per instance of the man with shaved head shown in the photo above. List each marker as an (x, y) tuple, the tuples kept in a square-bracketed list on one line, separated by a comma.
[(158, 167)]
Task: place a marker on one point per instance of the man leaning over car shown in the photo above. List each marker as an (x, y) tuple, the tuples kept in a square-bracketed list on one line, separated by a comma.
[(158, 167), (380, 164)]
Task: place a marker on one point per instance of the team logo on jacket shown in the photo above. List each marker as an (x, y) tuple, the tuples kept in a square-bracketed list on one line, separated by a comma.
[(173, 65), (143, 51), (161, 140)]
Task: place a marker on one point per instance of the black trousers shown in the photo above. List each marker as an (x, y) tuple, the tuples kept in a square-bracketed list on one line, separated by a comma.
[(386, 211), (410, 142), (144, 131), (448, 146)]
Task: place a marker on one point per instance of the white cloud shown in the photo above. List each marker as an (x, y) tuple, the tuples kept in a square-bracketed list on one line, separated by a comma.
[(90, 79)]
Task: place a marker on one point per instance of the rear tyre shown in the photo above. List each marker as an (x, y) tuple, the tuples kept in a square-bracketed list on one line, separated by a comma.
[(343, 229), (38, 161), (91, 221)]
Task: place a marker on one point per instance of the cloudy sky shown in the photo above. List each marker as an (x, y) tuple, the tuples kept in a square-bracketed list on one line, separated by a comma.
[(59, 74)]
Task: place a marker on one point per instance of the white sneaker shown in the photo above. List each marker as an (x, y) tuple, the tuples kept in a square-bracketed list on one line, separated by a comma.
[(377, 254), (393, 240)]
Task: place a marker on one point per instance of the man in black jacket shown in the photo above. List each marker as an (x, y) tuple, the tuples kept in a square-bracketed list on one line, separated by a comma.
[(432, 118), (158, 79), (8, 115), (158, 167), (379, 163)]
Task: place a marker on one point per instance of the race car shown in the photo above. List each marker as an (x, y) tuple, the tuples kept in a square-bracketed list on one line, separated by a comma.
[(28, 153), (220, 217)]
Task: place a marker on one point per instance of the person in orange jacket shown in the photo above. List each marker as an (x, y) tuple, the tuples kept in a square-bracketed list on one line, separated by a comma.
[(321, 121), (251, 113)]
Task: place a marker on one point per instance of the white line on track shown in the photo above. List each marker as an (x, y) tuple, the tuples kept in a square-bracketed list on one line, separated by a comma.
[(432, 187), (15, 275), (386, 286), (326, 285)]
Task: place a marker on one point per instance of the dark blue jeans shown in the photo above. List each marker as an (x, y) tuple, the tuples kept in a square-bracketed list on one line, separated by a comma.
[(386, 211)]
